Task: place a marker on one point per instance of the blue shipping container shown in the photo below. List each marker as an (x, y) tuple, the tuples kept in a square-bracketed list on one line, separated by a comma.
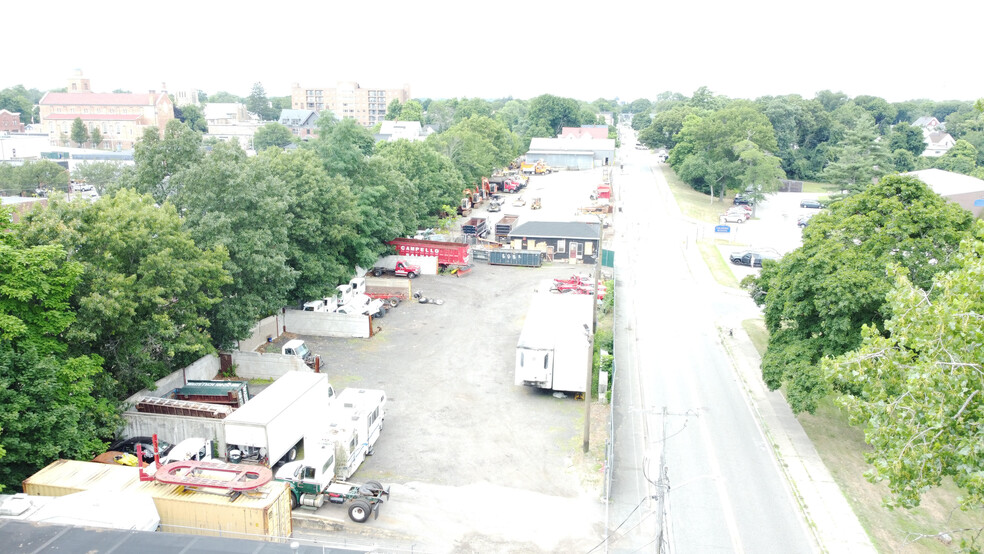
[(525, 258)]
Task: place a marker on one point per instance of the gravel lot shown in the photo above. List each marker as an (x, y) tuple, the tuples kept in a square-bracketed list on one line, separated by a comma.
[(476, 462)]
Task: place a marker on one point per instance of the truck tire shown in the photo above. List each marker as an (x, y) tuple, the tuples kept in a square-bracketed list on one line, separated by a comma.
[(380, 314), (394, 302), (359, 510), (411, 275), (375, 485), (378, 272)]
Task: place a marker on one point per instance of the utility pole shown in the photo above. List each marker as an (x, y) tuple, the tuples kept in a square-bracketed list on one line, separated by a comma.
[(594, 329)]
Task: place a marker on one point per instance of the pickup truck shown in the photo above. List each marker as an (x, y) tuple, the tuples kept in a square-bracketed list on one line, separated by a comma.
[(396, 266)]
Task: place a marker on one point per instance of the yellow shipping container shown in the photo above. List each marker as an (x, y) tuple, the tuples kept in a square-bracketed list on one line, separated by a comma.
[(267, 515)]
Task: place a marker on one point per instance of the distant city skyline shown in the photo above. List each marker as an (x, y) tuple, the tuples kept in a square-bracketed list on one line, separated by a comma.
[(521, 50)]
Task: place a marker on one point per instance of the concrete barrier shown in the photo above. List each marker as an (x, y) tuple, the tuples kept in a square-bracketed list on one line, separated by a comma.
[(256, 365), (267, 327), (174, 429), (322, 324), (206, 367)]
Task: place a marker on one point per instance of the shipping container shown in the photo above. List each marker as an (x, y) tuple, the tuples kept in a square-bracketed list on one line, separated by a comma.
[(477, 226), (447, 253), (505, 225), (524, 258), (230, 393), (264, 515)]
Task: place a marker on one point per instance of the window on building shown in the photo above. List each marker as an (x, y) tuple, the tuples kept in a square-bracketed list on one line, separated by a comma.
[(561, 245)]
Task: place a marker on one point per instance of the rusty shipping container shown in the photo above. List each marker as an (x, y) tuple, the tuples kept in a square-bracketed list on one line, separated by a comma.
[(266, 516)]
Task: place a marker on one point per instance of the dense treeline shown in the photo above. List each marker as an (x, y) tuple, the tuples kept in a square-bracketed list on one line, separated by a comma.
[(830, 138)]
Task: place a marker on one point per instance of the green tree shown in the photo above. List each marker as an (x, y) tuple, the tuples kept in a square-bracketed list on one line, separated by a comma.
[(477, 146), (412, 111), (515, 115), (79, 133), (859, 158), (760, 172), (661, 133), (639, 105), (817, 298), (158, 158), (961, 158), (641, 121), (323, 245), (258, 103), (49, 411), (98, 174), (553, 113), (240, 207), (907, 137), (43, 174), (393, 110), (19, 100), (917, 389), (146, 289), (192, 116), (96, 137), (223, 97), (441, 113), (705, 155), (903, 160), (879, 109), (437, 181), (831, 100), (272, 135)]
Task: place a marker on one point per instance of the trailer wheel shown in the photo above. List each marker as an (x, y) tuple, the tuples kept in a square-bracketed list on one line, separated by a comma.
[(359, 511), (416, 295), (377, 272), (394, 302), (375, 485), (411, 275), (294, 501)]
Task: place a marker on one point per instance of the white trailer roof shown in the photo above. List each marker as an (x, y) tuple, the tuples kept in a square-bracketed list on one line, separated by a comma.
[(555, 317), (277, 397)]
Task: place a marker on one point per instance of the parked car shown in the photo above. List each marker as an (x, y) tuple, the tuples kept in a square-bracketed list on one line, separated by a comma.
[(752, 258), (742, 200), (815, 204), (804, 220), (735, 216), (129, 446)]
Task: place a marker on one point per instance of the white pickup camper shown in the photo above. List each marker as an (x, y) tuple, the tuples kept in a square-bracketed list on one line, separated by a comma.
[(554, 349)]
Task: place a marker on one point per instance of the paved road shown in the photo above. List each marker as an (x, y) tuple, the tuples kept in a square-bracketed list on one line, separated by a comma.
[(726, 491)]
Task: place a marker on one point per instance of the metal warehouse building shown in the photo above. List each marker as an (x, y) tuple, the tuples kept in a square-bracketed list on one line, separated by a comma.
[(572, 153)]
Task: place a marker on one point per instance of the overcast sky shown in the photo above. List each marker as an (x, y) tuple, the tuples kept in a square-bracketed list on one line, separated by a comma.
[(898, 50)]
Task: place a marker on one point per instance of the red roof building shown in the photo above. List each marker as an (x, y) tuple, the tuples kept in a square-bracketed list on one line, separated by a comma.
[(120, 117)]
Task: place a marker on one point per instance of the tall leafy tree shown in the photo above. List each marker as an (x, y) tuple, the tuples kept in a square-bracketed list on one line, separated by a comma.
[(917, 388), (99, 174), (42, 174), (192, 116), (49, 410), (553, 113), (393, 110), (477, 146), (146, 289), (272, 135), (323, 245), (907, 137), (817, 298), (239, 207), (412, 111), (80, 135), (859, 158), (961, 158), (258, 103), (158, 158), (433, 174)]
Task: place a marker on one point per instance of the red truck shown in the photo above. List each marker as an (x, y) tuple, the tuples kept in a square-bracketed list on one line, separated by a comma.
[(448, 253)]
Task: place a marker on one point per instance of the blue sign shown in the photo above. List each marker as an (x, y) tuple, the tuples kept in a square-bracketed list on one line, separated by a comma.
[(979, 202), (722, 228)]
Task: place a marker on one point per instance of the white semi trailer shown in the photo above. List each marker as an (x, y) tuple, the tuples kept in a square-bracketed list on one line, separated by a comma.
[(269, 427), (554, 348)]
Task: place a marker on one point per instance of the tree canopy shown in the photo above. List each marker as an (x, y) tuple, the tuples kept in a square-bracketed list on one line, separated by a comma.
[(817, 298)]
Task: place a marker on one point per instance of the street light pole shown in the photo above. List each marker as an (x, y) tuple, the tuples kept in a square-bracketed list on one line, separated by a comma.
[(594, 329)]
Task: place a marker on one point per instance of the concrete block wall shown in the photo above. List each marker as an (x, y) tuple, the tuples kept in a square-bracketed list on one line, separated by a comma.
[(267, 327), (256, 365), (206, 367), (174, 429), (321, 324)]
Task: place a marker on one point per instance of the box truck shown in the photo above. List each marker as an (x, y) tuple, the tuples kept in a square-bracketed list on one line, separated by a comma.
[(554, 348), (269, 427)]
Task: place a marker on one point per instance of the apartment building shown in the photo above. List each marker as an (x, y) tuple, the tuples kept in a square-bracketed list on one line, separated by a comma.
[(120, 117), (348, 100)]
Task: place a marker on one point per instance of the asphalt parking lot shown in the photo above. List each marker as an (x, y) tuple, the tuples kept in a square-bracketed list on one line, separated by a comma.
[(475, 461), (772, 229)]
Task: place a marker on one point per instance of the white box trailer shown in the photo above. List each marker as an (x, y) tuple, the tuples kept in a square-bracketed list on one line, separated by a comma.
[(269, 427), (554, 348)]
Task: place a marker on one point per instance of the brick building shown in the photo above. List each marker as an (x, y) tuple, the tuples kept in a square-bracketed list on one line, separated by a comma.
[(120, 117), (348, 100), (10, 122)]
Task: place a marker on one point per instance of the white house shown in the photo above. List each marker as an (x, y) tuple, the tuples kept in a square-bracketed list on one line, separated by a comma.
[(396, 130), (938, 141), (231, 121)]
